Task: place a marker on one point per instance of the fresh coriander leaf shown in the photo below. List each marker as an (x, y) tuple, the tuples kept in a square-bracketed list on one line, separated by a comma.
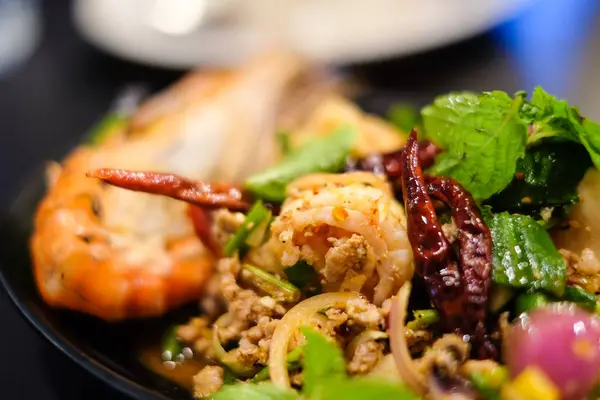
[(524, 255), (483, 137), (404, 116), (249, 391), (323, 362), (363, 388), (326, 154), (547, 176), (304, 276)]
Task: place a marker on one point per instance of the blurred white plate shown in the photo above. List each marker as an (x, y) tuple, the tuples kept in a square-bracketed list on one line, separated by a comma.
[(186, 33)]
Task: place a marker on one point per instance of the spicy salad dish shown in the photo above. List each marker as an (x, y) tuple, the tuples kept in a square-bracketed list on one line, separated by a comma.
[(446, 253)]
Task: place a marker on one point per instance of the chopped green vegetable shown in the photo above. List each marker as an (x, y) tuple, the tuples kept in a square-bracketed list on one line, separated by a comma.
[(257, 214), (229, 359), (293, 363), (283, 138), (323, 362), (529, 301), (488, 383), (262, 391), (546, 177), (259, 234), (363, 388), (304, 276), (105, 128), (483, 137), (404, 116), (273, 285), (524, 255), (171, 346), (324, 378), (326, 154), (423, 319), (583, 299)]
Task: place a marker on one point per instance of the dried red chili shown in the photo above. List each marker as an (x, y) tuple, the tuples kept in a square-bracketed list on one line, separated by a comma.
[(198, 193), (458, 286), (390, 164)]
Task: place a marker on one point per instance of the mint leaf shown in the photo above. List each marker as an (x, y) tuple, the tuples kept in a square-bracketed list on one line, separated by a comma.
[(262, 391), (547, 176), (589, 135), (326, 154), (524, 255), (483, 137), (362, 388), (323, 362), (404, 116)]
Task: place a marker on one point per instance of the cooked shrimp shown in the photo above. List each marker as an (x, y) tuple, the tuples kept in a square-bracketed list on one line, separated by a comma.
[(117, 254), (349, 228)]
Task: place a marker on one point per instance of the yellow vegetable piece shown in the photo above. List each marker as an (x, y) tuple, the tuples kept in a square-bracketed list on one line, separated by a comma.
[(531, 384)]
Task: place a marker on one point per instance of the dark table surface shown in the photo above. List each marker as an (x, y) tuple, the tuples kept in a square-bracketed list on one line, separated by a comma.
[(47, 103)]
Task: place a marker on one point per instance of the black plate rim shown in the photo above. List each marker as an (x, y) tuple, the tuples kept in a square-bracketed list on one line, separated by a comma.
[(95, 368)]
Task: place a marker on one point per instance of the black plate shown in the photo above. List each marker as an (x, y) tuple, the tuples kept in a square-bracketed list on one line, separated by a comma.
[(106, 350)]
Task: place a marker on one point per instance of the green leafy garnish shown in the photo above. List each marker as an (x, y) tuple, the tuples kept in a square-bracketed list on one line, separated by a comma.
[(326, 154), (273, 285), (262, 391), (524, 255), (555, 119), (488, 383), (583, 299), (483, 137), (530, 301), (324, 378), (364, 388), (108, 125), (257, 214), (293, 362), (304, 276), (423, 319), (323, 362), (547, 176), (404, 116), (171, 346), (283, 138)]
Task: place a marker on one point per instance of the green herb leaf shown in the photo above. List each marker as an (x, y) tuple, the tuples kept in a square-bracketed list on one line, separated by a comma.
[(530, 301), (583, 299), (363, 388), (304, 276), (323, 362), (404, 116), (283, 138), (547, 176), (262, 391), (326, 154), (108, 125), (483, 137), (524, 255), (257, 214)]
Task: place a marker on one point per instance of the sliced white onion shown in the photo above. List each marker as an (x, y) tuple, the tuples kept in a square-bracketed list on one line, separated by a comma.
[(407, 368), (300, 314)]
